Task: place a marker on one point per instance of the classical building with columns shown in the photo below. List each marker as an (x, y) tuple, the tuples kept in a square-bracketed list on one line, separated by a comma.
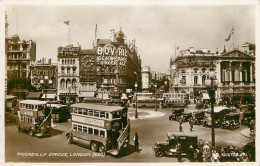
[(235, 72)]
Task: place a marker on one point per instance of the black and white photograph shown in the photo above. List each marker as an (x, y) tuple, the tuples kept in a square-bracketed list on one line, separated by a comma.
[(129, 82)]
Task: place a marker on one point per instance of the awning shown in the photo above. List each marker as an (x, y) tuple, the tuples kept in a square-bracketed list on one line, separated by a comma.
[(205, 96), (86, 94), (34, 95), (49, 96)]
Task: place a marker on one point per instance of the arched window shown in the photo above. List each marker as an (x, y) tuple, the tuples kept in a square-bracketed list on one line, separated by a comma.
[(74, 61), (74, 83), (62, 62), (196, 70), (183, 71), (62, 84), (68, 83)]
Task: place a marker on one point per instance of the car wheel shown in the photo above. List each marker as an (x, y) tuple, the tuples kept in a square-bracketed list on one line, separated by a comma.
[(69, 139), (101, 148), (158, 153), (94, 146)]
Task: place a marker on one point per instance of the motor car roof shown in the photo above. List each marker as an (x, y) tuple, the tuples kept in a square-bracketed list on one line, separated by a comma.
[(172, 135)]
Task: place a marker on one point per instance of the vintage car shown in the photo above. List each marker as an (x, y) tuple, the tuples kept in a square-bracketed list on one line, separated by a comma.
[(176, 114), (168, 148), (219, 113), (231, 121), (247, 117)]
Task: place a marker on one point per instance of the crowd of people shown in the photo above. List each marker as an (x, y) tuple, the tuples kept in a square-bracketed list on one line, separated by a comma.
[(205, 153)]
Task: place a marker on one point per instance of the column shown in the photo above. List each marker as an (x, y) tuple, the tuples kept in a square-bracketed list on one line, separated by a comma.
[(230, 72), (251, 73), (240, 72)]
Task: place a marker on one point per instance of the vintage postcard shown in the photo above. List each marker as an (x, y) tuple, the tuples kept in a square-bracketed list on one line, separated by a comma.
[(131, 82)]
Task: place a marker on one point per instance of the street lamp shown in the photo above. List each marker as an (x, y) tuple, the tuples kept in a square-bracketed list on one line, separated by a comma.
[(233, 87), (211, 85), (102, 86), (155, 86), (45, 82), (136, 113), (75, 86)]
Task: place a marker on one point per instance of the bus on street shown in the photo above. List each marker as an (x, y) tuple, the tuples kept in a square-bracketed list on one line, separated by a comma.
[(102, 128)]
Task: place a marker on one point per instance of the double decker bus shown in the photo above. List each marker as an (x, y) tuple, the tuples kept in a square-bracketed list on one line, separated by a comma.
[(175, 99), (146, 100), (60, 113), (100, 127), (34, 116), (11, 107)]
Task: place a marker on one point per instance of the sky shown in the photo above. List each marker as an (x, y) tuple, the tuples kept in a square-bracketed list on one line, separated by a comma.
[(156, 29)]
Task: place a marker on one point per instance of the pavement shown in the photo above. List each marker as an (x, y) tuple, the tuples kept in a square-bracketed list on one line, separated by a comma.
[(245, 132), (144, 113)]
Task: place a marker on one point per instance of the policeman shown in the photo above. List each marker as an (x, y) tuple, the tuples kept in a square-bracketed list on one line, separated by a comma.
[(178, 150), (136, 140), (191, 123)]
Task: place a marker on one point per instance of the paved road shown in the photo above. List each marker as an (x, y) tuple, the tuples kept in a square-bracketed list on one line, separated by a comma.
[(149, 130)]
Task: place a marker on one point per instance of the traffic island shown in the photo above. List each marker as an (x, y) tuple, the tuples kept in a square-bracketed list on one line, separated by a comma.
[(144, 114), (245, 132)]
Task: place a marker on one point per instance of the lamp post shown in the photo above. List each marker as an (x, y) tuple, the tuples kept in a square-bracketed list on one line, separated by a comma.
[(211, 85), (155, 86), (102, 86), (233, 87), (75, 86), (45, 83), (136, 113)]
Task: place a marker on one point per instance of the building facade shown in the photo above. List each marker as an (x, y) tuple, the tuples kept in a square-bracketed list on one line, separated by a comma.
[(19, 54), (40, 70), (234, 71), (118, 65), (87, 74), (68, 74)]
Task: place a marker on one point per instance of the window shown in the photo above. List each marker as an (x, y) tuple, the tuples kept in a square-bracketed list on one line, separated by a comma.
[(96, 132), (203, 79), (107, 115), (96, 113), (85, 129), (183, 80), (102, 133), (90, 130), (183, 71), (102, 114), (90, 112), (79, 111), (115, 115), (79, 128), (84, 112), (195, 79)]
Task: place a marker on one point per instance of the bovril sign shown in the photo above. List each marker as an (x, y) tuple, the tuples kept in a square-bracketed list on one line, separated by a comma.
[(110, 55)]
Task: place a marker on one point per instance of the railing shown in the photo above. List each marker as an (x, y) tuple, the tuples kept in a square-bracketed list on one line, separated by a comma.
[(121, 139)]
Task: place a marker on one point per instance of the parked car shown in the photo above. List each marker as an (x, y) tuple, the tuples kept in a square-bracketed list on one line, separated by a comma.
[(247, 117), (168, 148), (219, 113), (231, 121), (176, 113)]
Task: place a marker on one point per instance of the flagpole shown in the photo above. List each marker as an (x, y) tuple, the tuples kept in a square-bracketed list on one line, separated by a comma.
[(17, 21), (69, 33), (233, 37)]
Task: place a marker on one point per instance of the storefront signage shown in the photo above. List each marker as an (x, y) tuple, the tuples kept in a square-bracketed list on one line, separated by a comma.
[(110, 55), (88, 120), (68, 51)]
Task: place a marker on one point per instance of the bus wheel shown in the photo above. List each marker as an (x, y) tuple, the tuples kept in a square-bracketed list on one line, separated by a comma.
[(158, 153), (30, 132), (101, 148), (94, 146), (69, 139)]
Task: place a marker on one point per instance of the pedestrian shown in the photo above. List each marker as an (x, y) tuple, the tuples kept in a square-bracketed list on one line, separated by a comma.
[(178, 150), (200, 145), (180, 126), (191, 153), (206, 151), (215, 156), (199, 155), (136, 141), (191, 123)]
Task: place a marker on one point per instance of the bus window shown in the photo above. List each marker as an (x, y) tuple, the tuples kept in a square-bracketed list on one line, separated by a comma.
[(85, 129), (76, 110), (90, 130), (96, 132), (74, 127), (102, 133), (115, 115), (102, 114), (107, 115), (90, 112), (84, 112), (79, 111), (96, 113), (79, 128)]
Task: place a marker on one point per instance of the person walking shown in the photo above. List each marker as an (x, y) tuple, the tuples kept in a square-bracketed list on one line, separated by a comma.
[(136, 141), (191, 123), (180, 125), (178, 150), (215, 156)]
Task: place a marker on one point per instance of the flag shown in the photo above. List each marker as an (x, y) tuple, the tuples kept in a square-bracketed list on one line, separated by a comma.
[(67, 22)]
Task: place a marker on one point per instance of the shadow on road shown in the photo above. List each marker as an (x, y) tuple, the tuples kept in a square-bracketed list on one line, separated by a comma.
[(130, 150)]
